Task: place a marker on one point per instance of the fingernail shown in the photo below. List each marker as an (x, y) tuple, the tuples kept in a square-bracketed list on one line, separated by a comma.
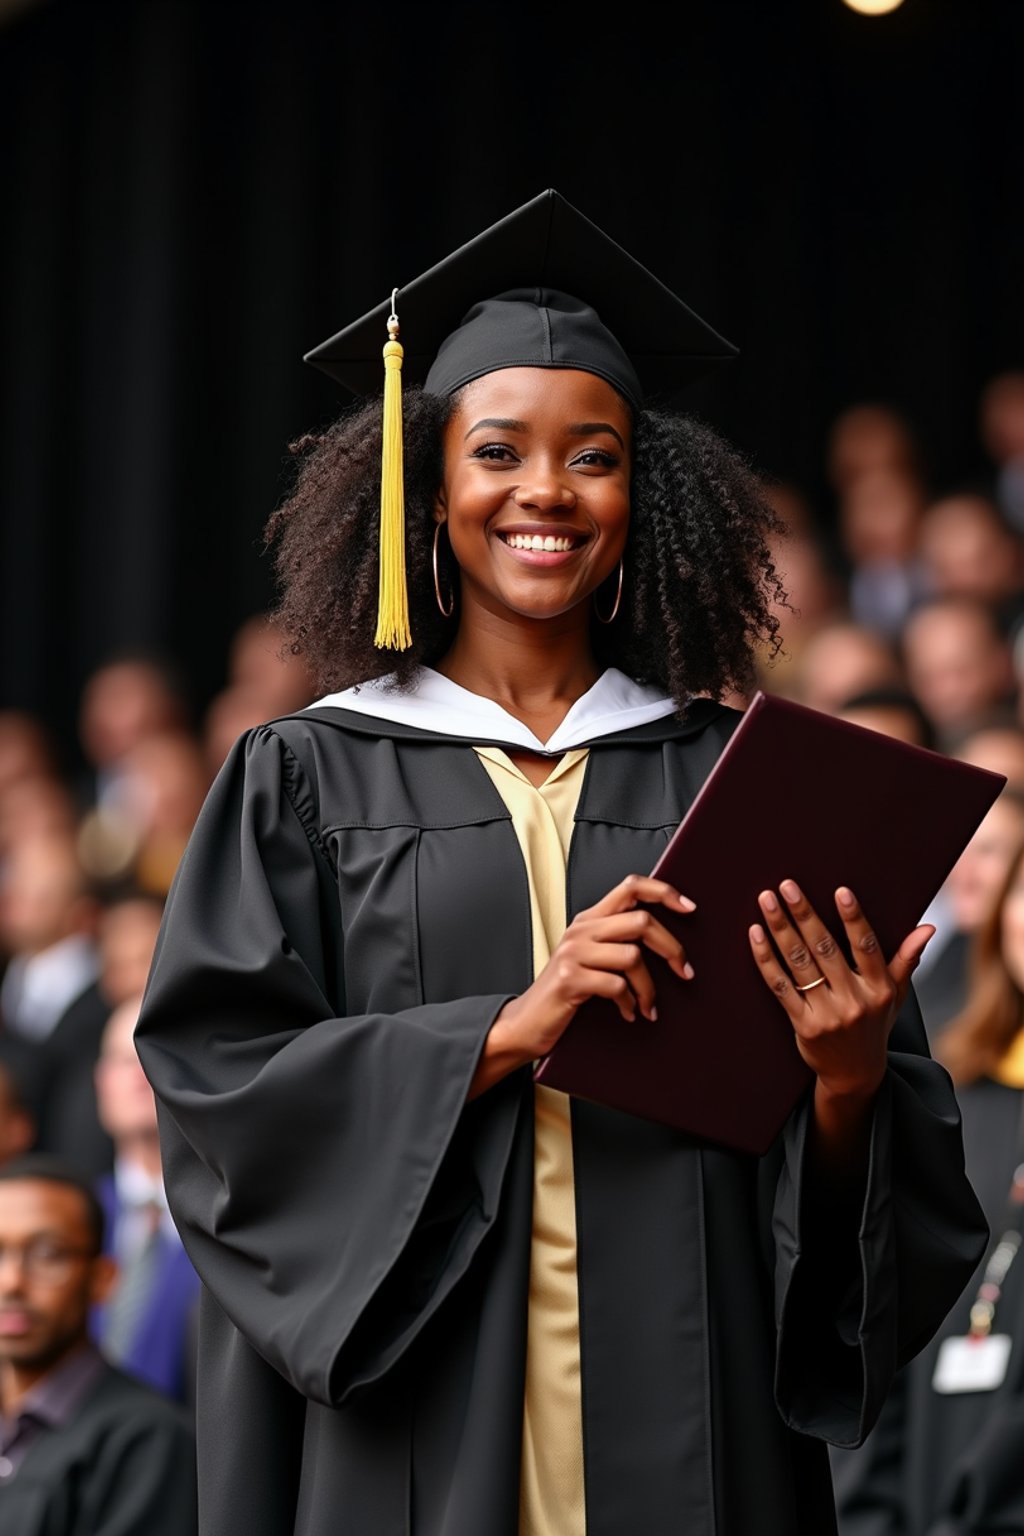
[(768, 901), (845, 896), (686, 904), (688, 971), (652, 1014), (790, 890), (757, 933)]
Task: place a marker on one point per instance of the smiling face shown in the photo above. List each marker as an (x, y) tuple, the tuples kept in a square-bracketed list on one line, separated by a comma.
[(536, 492)]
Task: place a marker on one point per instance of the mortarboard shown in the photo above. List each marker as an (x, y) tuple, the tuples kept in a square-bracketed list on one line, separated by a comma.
[(543, 287)]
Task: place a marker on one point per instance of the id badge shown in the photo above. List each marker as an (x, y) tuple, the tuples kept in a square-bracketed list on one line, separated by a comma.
[(972, 1365)]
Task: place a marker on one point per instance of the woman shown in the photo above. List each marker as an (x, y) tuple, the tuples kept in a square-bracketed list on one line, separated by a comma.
[(441, 1300), (946, 1458)]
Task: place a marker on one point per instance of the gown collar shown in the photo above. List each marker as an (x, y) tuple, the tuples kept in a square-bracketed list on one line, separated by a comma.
[(435, 704)]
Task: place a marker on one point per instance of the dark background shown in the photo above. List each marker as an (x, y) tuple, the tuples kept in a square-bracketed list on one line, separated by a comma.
[(195, 192)]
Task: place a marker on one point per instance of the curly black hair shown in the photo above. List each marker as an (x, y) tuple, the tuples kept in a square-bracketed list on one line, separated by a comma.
[(699, 577)]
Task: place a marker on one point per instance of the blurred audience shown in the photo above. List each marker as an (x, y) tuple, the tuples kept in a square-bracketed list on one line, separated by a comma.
[(880, 517), (26, 749), (48, 915), (867, 438), (965, 901), (999, 748), (127, 699), (1001, 425), (969, 550), (959, 665), (37, 807), (814, 597), (147, 1327), (85, 1448), (262, 666), (164, 785), (141, 834), (230, 713), (945, 1457), (904, 614), (840, 660), (17, 1123), (893, 711), (264, 680), (69, 1121)]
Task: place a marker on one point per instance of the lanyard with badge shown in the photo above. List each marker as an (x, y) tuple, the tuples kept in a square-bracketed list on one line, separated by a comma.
[(977, 1361)]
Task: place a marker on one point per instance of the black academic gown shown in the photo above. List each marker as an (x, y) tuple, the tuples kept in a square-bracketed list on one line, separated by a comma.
[(952, 1464), (349, 918)]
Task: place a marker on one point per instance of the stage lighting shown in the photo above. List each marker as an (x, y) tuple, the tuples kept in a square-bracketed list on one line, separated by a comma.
[(873, 7)]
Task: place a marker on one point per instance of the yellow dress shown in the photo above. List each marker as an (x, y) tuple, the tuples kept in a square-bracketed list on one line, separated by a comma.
[(551, 1482)]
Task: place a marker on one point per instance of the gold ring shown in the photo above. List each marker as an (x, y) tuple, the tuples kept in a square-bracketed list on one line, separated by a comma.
[(811, 984)]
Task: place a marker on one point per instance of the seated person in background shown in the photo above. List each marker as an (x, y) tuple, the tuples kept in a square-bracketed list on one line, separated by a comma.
[(947, 1455), (34, 795), (263, 680), (840, 660), (128, 698), (874, 464), (36, 808), (137, 835), (814, 598), (893, 712), (964, 903), (969, 550), (47, 934), (69, 1123), (48, 952), (958, 664), (17, 1124), (1001, 428), (867, 437), (259, 663), (879, 521), (147, 1326), (1000, 748), (83, 1447)]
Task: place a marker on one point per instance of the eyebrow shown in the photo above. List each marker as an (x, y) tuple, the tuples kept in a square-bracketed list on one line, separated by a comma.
[(587, 428), (578, 429)]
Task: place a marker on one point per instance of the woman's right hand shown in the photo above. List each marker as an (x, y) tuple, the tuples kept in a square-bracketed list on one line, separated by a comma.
[(600, 954)]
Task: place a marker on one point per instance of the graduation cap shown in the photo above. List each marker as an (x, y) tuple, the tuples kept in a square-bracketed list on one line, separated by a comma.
[(544, 287)]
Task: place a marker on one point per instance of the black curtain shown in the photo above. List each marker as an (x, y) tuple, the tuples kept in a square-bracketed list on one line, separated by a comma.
[(194, 193)]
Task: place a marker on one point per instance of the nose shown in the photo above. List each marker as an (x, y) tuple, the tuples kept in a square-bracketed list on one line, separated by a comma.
[(544, 488), (12, 1271)]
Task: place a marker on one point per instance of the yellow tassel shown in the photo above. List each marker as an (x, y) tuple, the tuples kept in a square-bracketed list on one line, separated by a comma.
[(392, 597)]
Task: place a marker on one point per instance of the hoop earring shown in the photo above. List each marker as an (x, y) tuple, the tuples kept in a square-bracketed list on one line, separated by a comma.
[(446, 613), (618, 599)]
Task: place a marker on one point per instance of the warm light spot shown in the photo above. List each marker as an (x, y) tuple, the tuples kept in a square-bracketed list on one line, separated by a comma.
[(873, 7)]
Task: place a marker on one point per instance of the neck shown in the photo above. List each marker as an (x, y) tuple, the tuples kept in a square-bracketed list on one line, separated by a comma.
[(141, 1151), (536, 670), (17, 1378)]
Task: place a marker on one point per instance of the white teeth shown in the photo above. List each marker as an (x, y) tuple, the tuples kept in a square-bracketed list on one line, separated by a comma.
[(548, 543)]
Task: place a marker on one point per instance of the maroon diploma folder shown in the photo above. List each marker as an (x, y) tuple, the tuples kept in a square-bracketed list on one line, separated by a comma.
[(799, 794)]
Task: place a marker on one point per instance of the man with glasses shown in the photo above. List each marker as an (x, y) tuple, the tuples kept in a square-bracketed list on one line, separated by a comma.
[(85, 1449)]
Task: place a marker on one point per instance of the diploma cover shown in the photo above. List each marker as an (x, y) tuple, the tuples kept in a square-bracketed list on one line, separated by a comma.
[(795, 794)]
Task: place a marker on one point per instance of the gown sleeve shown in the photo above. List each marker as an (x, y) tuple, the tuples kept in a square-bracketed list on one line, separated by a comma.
[(852, 1306), (328, 1178)]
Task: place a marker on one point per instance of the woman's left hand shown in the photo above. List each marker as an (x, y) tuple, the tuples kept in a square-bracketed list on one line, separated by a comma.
[(841, 1014)]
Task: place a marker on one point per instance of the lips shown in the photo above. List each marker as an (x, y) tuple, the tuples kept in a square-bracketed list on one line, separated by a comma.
[(14, 1323)]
